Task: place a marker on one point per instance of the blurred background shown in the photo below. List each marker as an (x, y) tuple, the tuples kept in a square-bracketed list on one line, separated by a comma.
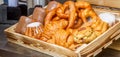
[(11, 10)]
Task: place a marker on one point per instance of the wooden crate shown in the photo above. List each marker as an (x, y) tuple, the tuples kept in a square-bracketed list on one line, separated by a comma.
[(86, 50)]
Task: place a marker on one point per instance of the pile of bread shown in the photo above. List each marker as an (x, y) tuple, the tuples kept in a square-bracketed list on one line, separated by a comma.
[(69, 25)]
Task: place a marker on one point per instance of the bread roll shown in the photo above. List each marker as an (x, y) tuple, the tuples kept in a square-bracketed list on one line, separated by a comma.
[(21, 26), (39, 14)]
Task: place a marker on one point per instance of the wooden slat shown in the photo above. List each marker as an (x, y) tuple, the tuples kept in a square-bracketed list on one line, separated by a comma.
[(110, 3), (116, 44)]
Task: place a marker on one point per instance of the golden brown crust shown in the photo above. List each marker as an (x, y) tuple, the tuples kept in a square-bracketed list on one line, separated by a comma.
[(39, 14), (21, 26), (52, 5)]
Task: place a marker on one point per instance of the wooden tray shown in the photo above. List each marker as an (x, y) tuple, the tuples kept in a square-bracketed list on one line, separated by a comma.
[(86, 50)]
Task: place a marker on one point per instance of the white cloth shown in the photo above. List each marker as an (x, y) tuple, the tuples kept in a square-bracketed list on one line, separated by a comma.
[(12, 3)]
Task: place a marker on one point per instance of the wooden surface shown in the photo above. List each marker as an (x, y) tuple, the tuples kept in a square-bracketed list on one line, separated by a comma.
[(110, 3), (116, 44)]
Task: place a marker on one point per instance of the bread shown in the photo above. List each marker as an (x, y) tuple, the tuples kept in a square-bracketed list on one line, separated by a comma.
[(21, 26), (39, 14)]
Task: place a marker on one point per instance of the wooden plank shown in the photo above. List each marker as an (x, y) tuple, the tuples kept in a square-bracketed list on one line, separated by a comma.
[(110, 3), (36, 49), (116, 44)]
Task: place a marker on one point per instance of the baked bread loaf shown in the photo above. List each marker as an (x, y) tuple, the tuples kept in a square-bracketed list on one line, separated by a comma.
[(22, 24)]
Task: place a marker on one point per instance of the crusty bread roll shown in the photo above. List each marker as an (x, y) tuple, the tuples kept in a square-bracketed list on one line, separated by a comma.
[(51, 5), (39, 14), (21, 26)]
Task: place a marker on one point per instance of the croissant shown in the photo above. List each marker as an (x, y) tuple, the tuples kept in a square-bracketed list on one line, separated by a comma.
[(62, 38), (49, 29)]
